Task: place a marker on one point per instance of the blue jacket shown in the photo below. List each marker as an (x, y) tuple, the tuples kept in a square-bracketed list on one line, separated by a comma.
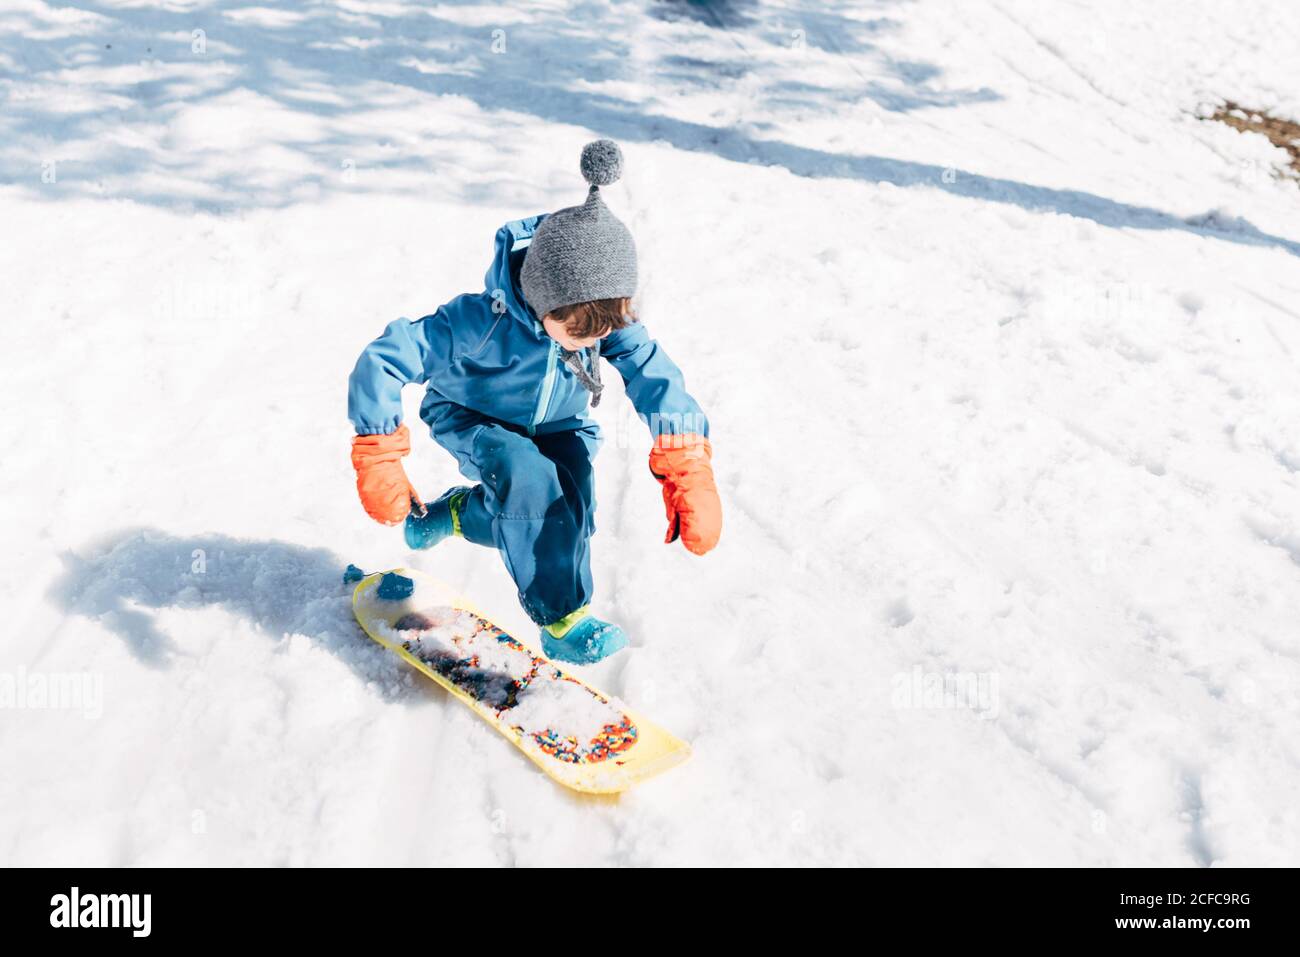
[(489, 353)]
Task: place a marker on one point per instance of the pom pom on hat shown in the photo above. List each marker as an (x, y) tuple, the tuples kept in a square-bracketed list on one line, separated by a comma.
[(602, 162)]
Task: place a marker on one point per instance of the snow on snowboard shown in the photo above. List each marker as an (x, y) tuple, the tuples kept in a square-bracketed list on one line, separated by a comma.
[(584, 739)]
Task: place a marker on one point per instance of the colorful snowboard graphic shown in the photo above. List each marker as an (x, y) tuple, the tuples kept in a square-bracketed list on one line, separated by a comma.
[(582, 738)]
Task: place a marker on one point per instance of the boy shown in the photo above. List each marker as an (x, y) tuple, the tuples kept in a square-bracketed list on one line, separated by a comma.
[(510, 372)]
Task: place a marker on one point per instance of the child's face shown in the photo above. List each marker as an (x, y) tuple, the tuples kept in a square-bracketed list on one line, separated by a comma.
[(558, 332)]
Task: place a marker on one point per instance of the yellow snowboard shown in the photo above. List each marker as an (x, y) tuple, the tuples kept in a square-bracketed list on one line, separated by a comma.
[(582, 738)]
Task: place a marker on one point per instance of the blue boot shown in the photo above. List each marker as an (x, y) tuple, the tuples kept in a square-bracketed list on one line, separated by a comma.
[(441, 519), (581, 638)]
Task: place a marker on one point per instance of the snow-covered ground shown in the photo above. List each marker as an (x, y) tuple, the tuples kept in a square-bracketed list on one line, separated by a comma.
[(999, 343)]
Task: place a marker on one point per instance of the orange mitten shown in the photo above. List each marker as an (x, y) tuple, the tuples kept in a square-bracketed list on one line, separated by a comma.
[(381, 482), (681, 464)]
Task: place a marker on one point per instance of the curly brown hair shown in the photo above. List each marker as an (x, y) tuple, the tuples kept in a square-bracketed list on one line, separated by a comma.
[(588, 320)]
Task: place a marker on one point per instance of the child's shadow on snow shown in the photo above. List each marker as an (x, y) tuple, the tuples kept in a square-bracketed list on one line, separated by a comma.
[(278, 587)]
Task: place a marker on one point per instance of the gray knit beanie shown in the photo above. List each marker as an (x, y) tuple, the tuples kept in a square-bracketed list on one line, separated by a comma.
[(582, 252)]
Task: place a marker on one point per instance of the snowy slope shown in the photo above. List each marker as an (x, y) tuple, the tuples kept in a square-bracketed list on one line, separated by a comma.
[(998, 339)]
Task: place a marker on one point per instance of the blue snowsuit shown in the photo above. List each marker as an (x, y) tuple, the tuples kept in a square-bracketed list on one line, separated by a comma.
[(514, 415)]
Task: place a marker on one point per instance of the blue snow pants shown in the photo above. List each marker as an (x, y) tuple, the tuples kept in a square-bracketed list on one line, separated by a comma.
[(535, 502)]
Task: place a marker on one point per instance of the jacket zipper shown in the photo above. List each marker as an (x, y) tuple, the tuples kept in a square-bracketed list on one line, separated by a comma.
[(548, 387)]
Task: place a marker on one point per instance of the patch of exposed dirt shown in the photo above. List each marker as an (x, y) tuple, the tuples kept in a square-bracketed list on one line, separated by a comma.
[(1280, 132)]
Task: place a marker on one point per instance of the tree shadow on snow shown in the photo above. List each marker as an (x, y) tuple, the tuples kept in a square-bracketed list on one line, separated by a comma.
[(325, 77), (278, 587)]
